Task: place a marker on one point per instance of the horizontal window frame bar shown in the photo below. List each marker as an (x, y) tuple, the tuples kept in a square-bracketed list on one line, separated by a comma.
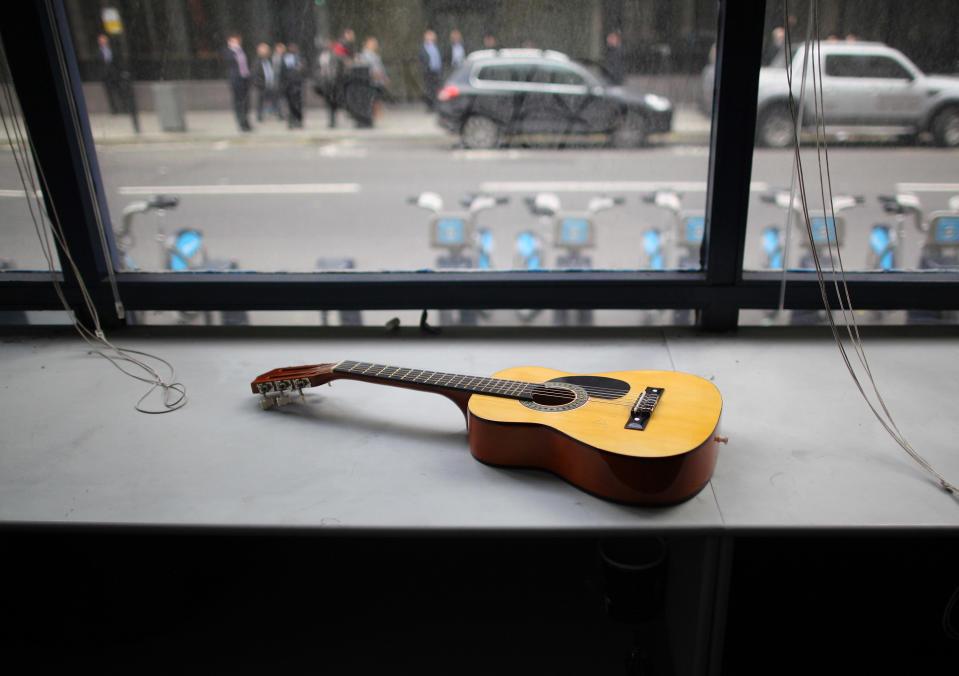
[(925, 290)]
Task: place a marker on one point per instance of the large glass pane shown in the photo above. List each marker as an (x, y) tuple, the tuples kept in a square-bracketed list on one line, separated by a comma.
[(892, 123), (582, 144), (21, 206)]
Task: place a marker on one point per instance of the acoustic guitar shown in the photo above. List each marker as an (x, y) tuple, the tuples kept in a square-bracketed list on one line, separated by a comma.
[(639, 437)]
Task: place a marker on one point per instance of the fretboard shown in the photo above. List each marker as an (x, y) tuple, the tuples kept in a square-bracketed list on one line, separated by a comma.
[(498, 387)]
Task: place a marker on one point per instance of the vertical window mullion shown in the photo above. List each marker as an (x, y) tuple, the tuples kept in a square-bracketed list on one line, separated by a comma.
[(738, 57), (48, 88)]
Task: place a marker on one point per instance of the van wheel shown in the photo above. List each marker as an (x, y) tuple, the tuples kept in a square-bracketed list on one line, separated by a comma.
[(945, 127), (480, 132), (775, 128), (631, 132)]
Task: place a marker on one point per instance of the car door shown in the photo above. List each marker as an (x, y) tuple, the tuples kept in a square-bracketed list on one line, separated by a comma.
[(897, 97), (868, 89), (561, 97), (501, 91)]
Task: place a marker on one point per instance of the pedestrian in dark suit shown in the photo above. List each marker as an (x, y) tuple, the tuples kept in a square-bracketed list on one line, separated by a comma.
[(109, 63), (266, 82), (457, 50), (291, 82), (431, 67), (615, 64), (238, 75), (279, 50)]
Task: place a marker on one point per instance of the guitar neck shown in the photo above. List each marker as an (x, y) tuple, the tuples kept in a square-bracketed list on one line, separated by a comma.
[(444, 383)]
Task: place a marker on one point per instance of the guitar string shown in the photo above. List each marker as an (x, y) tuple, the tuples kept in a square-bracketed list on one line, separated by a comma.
[(500, 389), (884, 418), (500, 382), (595, 392)]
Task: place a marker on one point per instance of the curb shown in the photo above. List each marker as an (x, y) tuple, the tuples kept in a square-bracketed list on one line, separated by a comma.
[(321, 138)]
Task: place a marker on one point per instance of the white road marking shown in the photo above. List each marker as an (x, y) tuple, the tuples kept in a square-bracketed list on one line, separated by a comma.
[(602, 186), (927, 187), (343, 149), (16, 192), (690, 151), (255, 189), (469, 154)]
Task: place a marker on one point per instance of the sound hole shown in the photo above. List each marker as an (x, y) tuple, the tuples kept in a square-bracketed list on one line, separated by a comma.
[(553, 396)]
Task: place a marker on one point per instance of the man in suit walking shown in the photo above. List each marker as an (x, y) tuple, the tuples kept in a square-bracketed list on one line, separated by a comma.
[(431, 66), (110, 73), (291, 82), (266, 82), (457, 50), (238, 75)]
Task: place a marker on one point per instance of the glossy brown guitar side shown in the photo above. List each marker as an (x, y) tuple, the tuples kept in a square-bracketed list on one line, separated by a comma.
[(640, 437)]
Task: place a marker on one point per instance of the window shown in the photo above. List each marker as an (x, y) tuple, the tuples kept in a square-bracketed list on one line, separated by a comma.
[(514, 72), (555, 74), (886, 168), (845, 65), (841, 65), (324, 248), (19, 249)]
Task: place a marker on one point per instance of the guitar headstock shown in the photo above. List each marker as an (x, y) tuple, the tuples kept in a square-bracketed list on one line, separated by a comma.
[(282, 381)]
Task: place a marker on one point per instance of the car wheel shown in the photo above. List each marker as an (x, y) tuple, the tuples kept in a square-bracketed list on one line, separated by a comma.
[(480, 132), (775, 128), (945, 127), (631, 132)]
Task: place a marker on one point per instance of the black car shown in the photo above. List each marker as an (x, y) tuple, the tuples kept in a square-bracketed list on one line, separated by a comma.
[(495, 94)]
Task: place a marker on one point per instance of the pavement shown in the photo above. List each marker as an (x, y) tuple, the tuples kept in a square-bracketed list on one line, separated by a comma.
[(402, 121)]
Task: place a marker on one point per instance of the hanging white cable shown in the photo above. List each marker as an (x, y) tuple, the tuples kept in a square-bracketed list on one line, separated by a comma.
[(838, 271), (21, 146), (797, 130)]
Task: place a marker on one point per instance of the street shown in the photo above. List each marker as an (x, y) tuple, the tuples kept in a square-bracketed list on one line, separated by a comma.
[(275, 206)]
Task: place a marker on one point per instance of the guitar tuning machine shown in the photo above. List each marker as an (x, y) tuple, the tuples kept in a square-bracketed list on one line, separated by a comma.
[(275, 401), (277, 393)]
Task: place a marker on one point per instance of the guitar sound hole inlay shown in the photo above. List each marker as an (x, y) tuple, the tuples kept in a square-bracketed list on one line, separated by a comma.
[(555, 397)]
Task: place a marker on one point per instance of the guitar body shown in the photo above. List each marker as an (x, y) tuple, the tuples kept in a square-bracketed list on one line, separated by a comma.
[(589, 444)]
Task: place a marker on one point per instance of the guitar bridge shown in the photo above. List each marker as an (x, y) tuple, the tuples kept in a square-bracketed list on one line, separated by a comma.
[(642, 410)]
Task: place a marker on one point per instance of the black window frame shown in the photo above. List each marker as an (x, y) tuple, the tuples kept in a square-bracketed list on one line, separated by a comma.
[(49, 92)]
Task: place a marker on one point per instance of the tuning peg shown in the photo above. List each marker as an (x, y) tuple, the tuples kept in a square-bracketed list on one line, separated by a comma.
[(267, 403), (283, 400)]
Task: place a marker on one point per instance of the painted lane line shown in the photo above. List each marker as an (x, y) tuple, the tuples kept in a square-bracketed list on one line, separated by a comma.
[(17, 192), (256, 189), (602, 186), (927, 187)]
